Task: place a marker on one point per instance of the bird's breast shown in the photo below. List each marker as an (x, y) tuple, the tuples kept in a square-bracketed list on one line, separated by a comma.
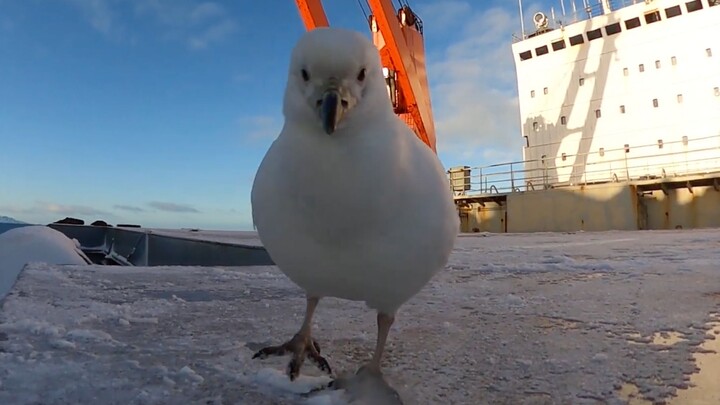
[(337, 193)]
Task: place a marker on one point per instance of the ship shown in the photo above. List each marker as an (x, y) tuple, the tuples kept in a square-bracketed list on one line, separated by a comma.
[(619, 105)]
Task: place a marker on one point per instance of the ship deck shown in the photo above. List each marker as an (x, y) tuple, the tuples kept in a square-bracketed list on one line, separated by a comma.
[(515, 318)]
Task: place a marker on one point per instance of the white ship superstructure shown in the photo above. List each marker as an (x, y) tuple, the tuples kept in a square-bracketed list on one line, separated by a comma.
[(631, 92)]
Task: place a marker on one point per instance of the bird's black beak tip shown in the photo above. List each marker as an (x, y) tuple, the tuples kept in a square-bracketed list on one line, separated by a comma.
[(330, 110)]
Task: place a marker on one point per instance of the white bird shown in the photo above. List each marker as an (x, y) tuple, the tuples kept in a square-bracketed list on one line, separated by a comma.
[(348, 202)]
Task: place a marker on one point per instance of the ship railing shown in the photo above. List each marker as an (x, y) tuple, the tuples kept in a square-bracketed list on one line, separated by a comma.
[(573, 11), (661, 160)]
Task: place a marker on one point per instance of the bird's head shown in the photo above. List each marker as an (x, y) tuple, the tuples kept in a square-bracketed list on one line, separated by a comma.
[(335, 78)]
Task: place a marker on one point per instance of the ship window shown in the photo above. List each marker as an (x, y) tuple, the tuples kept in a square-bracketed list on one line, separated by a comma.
[(626, 72), (657, 64), (581, 81), (622, 109), (653, 16), (660, 144), (536, 126), (527, 141), (679, 98), (655, 103), (602, 151), (632, 23), (558, 45), (576, 40), (717, 91), (525, 55), (627, 148), (673, 60), (673, 11), (613, 29), (694, 5), (532, 93), (542, 50), (685, 140), (563, 119), (708, 52), (594, 34), (641, 67), (545, 90), (564, 156), (597, 113)]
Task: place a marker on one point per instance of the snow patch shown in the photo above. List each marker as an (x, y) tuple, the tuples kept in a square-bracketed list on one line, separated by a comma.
[(277, 379), (34, 244), (35, 327), (89, 335), (62, 344), (328, 398), (191, 375)]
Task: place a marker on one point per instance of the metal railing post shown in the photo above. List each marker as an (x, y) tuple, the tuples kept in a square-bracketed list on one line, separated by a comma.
[(512, 178)]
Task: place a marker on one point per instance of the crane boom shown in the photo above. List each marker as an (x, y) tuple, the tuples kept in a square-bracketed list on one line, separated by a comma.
[(312, 14), (398, 37)]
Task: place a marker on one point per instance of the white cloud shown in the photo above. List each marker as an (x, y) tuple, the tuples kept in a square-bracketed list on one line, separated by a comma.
[(100, 15), (130, 208), (445, 14), (473, 85), (46, 208), (197, 24), (260, 127), (211, 34), (172, 207), (206, 11)]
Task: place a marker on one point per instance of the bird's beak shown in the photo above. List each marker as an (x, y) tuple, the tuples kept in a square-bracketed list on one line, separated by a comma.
[(331, 110)]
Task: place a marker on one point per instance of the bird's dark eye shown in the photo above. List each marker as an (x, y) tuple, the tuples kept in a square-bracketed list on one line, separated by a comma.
[(361, 75), (305, 75)]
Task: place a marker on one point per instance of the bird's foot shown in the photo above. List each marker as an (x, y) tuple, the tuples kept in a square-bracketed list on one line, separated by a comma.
[(367, 383), (300, 347)]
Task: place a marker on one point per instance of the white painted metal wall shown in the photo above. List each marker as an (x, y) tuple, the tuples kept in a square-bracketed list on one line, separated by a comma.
[(647, 88)]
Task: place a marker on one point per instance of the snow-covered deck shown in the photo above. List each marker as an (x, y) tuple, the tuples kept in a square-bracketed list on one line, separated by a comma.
[(545, 318)]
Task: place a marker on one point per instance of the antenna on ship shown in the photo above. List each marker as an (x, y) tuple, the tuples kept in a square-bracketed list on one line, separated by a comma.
[(522, 23)]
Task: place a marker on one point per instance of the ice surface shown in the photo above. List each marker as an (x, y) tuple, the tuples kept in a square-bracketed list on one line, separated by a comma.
[(20, 246), (514, 319), (232, 237)]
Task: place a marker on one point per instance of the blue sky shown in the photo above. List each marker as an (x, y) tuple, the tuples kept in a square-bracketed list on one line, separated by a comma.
[(158, 112)]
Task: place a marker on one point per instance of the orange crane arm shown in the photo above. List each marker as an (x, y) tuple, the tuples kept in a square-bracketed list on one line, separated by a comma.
[(402, 52), (312, 13)]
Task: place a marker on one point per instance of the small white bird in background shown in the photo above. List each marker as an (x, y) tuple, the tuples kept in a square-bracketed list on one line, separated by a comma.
[(348, 202)]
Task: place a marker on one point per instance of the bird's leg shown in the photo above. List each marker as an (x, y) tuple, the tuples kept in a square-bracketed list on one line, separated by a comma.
[(370, 372), (369, 378), (300, 346), (384, 322)]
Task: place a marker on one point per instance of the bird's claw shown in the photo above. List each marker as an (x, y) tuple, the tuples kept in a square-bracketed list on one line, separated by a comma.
[(335, 384), (270, 351), (301, 347)]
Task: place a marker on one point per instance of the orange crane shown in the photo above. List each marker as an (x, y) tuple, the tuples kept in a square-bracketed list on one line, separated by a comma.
[(398, 36)]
